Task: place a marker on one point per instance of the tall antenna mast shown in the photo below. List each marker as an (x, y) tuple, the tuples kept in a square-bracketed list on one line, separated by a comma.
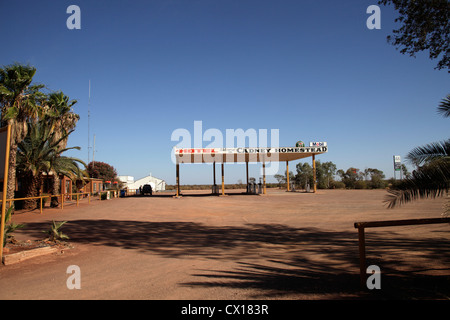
[(89, 118), (93, 154)]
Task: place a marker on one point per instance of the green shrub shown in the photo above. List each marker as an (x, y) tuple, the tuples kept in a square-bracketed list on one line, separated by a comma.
[(54, 233), (337, 185), (360, 184), (11, 227)]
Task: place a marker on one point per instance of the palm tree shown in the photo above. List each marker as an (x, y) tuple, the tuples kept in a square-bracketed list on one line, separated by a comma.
[(431, 179), (59, 115), (61, 120), (19, 102), (39, 153)]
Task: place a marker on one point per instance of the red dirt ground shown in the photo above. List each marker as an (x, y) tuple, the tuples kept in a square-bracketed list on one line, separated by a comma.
[(282, 245)]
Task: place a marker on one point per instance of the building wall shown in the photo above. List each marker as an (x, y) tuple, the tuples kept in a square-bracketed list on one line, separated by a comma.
[(157, 184), (91, 185)]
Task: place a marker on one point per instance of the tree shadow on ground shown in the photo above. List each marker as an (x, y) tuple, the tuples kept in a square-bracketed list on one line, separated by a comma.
[(185, 239), (278, 260), (303, 283)]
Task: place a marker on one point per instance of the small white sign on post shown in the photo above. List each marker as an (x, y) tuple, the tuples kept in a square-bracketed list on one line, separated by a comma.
[(397, 163)]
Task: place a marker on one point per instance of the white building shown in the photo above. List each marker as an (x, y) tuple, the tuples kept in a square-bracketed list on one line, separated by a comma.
[(131, 184)]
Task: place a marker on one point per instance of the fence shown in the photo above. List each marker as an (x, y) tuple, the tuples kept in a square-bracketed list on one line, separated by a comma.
[(63, 196), (390, 223)]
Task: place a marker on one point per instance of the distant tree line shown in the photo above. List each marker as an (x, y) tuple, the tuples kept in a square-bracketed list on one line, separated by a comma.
[(327, 177), (327, 174)]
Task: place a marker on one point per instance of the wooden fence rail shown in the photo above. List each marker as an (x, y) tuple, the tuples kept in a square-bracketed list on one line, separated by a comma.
[(389, 223), (62, 196)]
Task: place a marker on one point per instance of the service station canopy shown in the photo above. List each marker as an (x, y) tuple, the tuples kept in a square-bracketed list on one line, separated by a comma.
[(222, 155)]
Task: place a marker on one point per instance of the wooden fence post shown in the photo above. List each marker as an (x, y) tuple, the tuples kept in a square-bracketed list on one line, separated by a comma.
[(362, 256)]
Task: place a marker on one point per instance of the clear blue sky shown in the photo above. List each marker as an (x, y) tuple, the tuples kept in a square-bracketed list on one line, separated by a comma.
[(311, 69)]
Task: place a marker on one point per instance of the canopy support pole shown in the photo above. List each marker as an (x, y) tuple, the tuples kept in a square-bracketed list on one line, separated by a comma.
[(223, 181), (287, 176), (314, 172), (178, 180), (246, 170), (264, 177), (214, 177)]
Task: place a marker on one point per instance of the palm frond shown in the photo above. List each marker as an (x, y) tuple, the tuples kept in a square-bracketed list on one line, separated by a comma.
[(429, 181), (69, 167), (444, 107), (430, 152), (39, 152)]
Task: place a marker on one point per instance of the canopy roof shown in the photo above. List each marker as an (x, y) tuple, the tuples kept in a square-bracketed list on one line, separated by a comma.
[(210, 155)]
